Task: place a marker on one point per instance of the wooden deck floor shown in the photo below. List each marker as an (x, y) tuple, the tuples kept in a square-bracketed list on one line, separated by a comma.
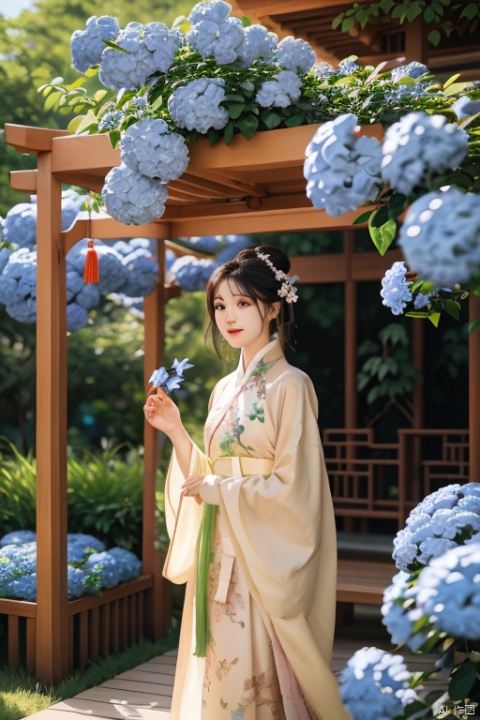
[(145, 692)]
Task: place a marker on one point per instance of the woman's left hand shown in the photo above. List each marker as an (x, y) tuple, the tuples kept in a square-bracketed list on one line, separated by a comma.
[(191, 487)]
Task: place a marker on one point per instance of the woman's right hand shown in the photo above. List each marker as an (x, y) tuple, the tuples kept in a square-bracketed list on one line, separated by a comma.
[(162, 413)]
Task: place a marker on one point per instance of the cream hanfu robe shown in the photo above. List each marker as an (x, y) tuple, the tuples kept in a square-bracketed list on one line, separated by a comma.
[(272, 582)]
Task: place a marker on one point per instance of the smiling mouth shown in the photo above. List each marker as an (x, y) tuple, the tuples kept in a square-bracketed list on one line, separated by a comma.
[(233, 332)]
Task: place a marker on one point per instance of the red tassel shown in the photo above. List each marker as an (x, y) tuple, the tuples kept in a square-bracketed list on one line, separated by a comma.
[(90, 274)]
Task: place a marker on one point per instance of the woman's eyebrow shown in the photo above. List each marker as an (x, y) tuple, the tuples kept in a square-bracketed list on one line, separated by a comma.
[(218, 297)]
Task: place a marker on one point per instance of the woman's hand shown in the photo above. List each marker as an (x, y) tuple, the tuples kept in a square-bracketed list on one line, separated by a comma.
[(191, 487), (162, 413)]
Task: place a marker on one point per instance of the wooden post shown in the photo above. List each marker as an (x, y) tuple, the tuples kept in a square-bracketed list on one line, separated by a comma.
[(52, 617), (154, 331), (416, 42), (474, 393), (418, 402), (350, 355)]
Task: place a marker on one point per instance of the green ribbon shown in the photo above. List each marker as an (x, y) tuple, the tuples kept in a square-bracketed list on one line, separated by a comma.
[(204, 552)]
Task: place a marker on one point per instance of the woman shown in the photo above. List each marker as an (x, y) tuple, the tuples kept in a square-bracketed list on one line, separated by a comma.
[(271, 590)]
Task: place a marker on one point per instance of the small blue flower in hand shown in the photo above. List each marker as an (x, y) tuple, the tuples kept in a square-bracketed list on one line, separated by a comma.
[(170, 380)]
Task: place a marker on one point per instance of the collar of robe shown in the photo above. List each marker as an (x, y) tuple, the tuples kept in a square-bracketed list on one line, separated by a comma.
[(272, 348)]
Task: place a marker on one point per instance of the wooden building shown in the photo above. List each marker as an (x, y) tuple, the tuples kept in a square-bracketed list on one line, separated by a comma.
[(245, 187)]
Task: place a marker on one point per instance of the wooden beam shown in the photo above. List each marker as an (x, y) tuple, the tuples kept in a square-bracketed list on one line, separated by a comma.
[(82, 153), (24, 181), (51, 440), (279, 7), (109, 229), (27, 139)]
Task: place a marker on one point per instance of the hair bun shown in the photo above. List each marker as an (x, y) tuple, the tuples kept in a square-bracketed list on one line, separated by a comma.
[(277, 256)]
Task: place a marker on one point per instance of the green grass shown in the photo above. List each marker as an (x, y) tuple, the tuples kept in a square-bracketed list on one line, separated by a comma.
[(22, 695)]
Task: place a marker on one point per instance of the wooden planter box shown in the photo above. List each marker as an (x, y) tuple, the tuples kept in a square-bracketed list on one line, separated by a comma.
[(97, 625)]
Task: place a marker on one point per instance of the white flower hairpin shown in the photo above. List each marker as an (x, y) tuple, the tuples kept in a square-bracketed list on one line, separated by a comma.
[(287, 289)]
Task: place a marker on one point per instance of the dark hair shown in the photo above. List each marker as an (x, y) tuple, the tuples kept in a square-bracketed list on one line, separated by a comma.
[(256, 280)]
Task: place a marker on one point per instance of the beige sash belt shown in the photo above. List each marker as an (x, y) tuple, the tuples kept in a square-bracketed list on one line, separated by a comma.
[(231, 467), (234, 466)]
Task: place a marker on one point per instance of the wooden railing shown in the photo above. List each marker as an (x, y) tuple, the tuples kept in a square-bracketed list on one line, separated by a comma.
[(98, 624), (373, 481)]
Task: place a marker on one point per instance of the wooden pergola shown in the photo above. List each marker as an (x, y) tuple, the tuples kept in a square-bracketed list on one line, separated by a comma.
[(245, 187)]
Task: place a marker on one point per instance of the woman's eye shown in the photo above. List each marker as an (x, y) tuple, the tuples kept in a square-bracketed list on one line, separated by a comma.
[(243, 303), (219, 307)]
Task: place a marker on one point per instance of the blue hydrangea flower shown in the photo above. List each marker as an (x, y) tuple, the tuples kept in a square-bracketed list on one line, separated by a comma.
[(142, 272), (191, 273), (87, 45), (131, 69), (108, 567), (77, 317), (20, 225), (347, 66), (23, 588), (233, 245), (258, 44), (111, 120), (396, 289), (400, 616), (375, 682), (412, 70), (214, 33), (439, 237), (323, 69), (196, 105), (296, 55), (132, 198), (85, 540), (150, 149), (343, 171), (464, 107), (421, 301), (75, 580), (419, 146), (162, 42), (442, 520), (18, 537), (448, 591), (130, 567), (281, 91)]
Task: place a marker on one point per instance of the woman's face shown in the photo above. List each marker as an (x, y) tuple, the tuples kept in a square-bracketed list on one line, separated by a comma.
[(240, 321)]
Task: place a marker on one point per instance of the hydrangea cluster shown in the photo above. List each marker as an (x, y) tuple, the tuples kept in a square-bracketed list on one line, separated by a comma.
[(375, 681), (111, 120), (132, 198), (419, 146), (448, 592), (343, 170), (396, 290), (193, 274), (258, 44), (281, 91), (400, 614), (464, 107), (440, 236), (444, 519), (87, 45), (296, 55), (214, 32), (129, 268), (196, 105), (412, 70), (149, 148), (18, 553), (149, 49)]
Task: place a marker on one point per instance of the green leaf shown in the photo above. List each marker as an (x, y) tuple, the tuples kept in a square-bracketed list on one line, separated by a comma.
[(453, 308), (386, 5), (450, 81), (428, 14), (245, 21), (384, 235), (234, 97), (474, 325), (434, 318), (434, 37), (114, 46), (362, 218), (399, 12), (362, 16), (337, 21), (271, 119), (114, 137), (248, 126), (348, 24), (462, 681), (228, 132), (295, 120), (412, 11), (235, 110), (470, 11)]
